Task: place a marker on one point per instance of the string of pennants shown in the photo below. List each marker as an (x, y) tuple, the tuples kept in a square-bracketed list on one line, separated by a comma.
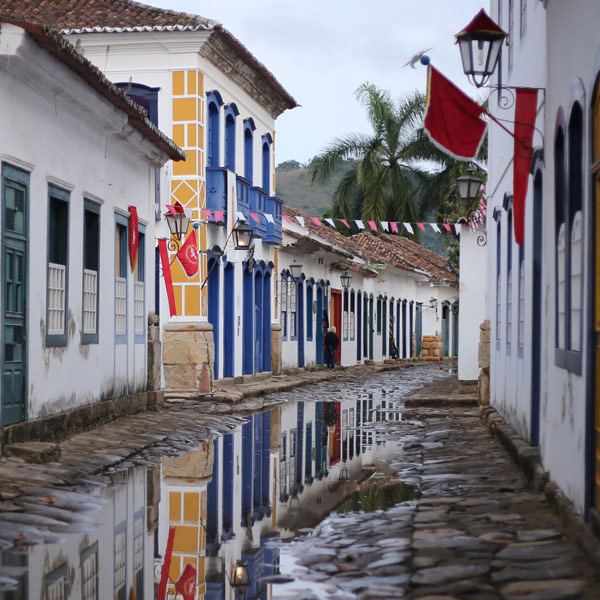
[(477, 217)]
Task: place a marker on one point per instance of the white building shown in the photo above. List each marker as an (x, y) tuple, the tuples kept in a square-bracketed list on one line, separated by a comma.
[(78, 158), (543, 302)]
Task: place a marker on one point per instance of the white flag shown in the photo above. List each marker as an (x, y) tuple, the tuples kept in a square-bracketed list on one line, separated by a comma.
[(385, 225), (457, 228), (269, 218), (239, 215), (359, 224), (435, 227), (408, 227), (300, 220), (330, 222)]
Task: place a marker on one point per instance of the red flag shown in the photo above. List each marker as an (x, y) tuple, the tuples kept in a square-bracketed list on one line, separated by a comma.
[(372, 225), (452, 119), (166, 266), (133, 235), (345, 223), (447, 227), (421, 226), (525, 111), (186, 586), (188, 254), (316, 221)]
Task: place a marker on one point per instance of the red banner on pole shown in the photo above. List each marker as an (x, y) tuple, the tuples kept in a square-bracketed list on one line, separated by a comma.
[(133, 235), (166, 267), (188, 254), (164, 576), (525, 111)]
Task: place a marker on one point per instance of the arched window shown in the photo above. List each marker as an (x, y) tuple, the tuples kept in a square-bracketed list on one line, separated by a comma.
[(561, 237), (214, 103), (249, 128), (231, 112), (267, 140)]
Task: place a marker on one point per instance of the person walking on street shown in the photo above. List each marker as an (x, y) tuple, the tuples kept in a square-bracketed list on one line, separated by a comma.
[(332, 341)]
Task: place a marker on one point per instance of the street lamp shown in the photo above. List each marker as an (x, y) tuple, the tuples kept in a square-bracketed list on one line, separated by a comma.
[(479, 43), (178, 223), (469, 186), (296, 269), (242, 236), (241, 579), (346, 280)]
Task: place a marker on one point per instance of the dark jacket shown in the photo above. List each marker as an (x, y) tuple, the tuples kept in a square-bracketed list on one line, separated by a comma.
[(332, 340)]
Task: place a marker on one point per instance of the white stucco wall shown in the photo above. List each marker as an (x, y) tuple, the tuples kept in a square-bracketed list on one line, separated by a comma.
[(66, 135), (472, 302)]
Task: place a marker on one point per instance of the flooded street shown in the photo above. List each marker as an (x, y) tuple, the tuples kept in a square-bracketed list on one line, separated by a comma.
[(336, 490)]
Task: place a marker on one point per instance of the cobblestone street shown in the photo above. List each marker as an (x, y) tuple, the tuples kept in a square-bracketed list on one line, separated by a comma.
[(476, 531)]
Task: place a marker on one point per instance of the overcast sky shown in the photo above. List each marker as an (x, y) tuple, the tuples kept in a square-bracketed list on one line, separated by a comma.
[(321, 51)]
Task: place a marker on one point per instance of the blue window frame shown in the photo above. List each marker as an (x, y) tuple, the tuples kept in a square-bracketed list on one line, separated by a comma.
[(283, 302), (139, 302), (213, 103), (267, 140), (91, 272), (231, 112), (57, 303), (509, 281), (309, 312), (120, 279), (498, 278), (249, 128)]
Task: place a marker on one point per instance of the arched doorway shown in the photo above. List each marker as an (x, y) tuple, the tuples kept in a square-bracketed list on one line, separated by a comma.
[(228, 320)]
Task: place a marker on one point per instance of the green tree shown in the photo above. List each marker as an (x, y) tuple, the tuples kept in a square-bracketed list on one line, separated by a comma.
[(388, 181)]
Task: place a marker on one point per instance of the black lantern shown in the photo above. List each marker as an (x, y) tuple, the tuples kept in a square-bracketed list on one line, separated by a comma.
[(296, 269), (242, 236), (480, 43), (469, 186), (178, 224), (241, 579), (346, 280)]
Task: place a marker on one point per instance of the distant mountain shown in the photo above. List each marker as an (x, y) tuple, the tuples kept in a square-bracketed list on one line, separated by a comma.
[(293, 187)]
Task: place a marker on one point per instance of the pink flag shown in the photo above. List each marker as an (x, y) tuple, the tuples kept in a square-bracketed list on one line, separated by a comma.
[(447, 227), (255, 217), (394, 226), (219, 216), (316, 221), (206, 212), (421, 226), (286, 219), (372, 225), (345, 223)]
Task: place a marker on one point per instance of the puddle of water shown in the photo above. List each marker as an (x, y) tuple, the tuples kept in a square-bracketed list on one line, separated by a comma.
[(226, 501)]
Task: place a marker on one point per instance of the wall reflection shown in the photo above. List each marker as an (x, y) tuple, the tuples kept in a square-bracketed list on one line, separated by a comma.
[(197, 515)]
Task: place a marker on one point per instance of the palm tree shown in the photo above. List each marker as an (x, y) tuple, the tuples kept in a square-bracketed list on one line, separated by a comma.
[(387, 181)]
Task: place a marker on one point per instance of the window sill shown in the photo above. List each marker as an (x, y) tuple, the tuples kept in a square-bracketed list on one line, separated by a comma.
[(569, 360)]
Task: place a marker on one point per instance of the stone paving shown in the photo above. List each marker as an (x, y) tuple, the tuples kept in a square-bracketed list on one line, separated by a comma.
[(476, 532)]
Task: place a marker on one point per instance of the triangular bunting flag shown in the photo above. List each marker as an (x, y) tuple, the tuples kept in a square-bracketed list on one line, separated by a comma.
[(457, 228), (345, 223), (447, 227), (269, 218), (300, 220), (255, 217), (372, 225), (394, 226), (220, 216), (385, 225), (408, 227), (421, 226), (360, 224), (206, 212), (286, 219), (330, 222), (435, 227), (316, 221), (239, 215)]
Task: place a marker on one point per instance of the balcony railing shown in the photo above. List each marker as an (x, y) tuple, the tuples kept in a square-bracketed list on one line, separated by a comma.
[(258, 205), (274, 235), (243, 195)]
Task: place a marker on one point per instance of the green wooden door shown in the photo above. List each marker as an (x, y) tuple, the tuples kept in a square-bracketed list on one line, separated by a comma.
[(14, 306)]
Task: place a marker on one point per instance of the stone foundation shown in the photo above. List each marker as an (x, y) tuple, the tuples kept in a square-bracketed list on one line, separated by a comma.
[(154, 352), (186, 347), (483, 386), (431, 347)]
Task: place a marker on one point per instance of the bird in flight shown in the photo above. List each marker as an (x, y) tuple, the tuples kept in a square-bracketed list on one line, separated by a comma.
[(415, 59)]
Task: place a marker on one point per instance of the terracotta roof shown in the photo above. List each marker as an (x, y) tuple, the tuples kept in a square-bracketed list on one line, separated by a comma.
[(95, 16), (51, 41)]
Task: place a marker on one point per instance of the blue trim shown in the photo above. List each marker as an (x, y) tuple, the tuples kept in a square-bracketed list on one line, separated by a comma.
[(257, 471), (247, 322), (300, 322), (213, 106), (249, 128), (266, 143), (213, 281), (212, 504), (228, 487), (358, 325), (258, 321), (231, 112), (121, 338), (229, 320), (309, 312), (266, 460), (140, 338), (536, 313), (266, 343), (247, 469), (410, 330), (93, 208), (320, 359)]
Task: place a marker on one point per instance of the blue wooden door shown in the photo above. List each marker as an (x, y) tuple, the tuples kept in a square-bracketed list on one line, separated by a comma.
[(213, 308), (300, 327), (15, 225)]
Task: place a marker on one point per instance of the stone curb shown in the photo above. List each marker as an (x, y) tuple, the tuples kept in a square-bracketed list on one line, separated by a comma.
[(528, 460)]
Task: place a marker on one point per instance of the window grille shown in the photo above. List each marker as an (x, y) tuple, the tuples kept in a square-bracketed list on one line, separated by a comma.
[(56, 589), (522, 304), (293, 292), (561, 284), (119, 560), (139, 307), (121, 305), (576, 283), (90, 300), (56, 298), (89, 577), (138, 545), (509, 307)]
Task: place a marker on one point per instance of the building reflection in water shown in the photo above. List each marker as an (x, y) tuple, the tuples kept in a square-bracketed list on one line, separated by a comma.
[(225, 502)]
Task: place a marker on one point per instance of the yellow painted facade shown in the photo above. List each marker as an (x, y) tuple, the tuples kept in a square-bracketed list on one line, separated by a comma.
[(188, 182)]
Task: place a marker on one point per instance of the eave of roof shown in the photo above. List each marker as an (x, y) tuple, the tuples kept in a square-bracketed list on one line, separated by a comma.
[(52, 42)]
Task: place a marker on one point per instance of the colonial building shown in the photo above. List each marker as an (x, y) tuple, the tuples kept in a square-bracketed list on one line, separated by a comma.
[(543, 293), (78, 161)]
